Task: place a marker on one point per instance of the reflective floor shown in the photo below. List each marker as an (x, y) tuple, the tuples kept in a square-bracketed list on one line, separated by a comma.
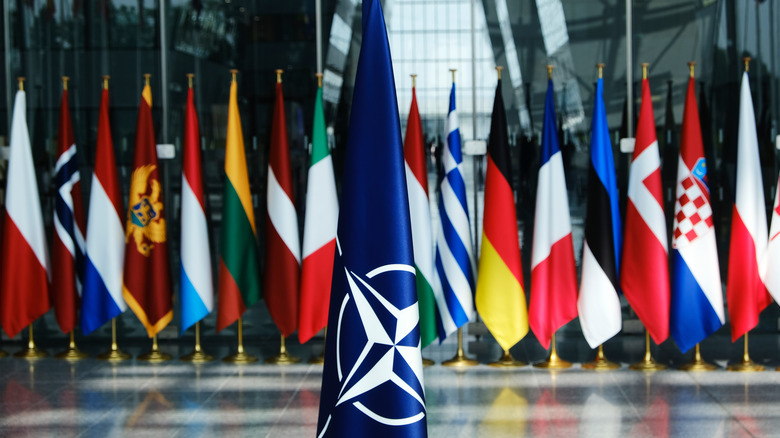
[(51, 397)]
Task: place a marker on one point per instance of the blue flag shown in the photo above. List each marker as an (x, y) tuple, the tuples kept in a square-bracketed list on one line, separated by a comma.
[(372, 383)]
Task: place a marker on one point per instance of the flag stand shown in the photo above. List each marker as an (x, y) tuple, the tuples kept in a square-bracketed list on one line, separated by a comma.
[(115, 354), (507, 361), (197, 356), (427, 362), (155, 355), (553, 362), (601, 363), (72, 353), (240, 356), (697, 364), (747, 364), (3, 353), (32, 352), (647, 363), (283, 358), (319, 360), (460, 360)]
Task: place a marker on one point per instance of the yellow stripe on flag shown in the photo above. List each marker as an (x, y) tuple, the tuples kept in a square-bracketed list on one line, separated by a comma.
[(147, 94), (235, 157), (500, 299)]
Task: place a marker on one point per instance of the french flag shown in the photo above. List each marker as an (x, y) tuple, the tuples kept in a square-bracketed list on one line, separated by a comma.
[(102, 298), (24, 284), (745, 291)]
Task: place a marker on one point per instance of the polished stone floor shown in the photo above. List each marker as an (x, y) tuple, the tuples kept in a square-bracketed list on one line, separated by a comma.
[(92, 398)]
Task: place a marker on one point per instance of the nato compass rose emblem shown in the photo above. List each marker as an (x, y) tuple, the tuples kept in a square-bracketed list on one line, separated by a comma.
[(383, 379)]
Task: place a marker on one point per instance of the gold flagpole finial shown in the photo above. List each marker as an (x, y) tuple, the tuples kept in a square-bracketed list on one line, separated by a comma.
[(498, 71), (691, 65), (747, 63), (146, 78), (65, 80), (234, 73), (453, 70), (21, 82), (550, 68), (644, 69), (279, 72), (189, 78), (601, 66), (105, 81), (414, 80), (319, 79)]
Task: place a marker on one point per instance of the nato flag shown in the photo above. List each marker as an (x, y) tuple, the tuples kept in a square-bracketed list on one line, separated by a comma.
[(372, 383)]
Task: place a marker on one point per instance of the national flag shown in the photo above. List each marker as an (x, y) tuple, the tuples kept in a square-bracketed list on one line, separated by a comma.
[(500, 297), (553, 271), (239, 274), (24, 276), (319, 231), (598, 303), (70, 225), (746, 293), (770, 262), (197, 287), (147, 277), (102, 296), (697, 297), (455, 269), (282, 244), (644, 277), (372, 383), (416, 167)]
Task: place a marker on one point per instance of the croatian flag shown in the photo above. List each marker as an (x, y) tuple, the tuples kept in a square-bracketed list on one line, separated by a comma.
[(454, 255), (697, 299), (102, 297)]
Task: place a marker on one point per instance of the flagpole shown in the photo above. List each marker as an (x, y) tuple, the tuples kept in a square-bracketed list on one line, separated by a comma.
[(460, 360), (601, 363), (155, 355), (115, 354), (553, 362), (647, 363), (319, 360), (240, 357), (747, 364), (31, 352)]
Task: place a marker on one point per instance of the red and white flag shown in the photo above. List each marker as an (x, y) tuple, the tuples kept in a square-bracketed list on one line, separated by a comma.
[(644, 277), (745, 292), (24, 281), (770, 263)]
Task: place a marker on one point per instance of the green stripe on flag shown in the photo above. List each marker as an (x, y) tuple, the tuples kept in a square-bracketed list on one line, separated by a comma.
[(238, 247), (427, 305), (319, 143)]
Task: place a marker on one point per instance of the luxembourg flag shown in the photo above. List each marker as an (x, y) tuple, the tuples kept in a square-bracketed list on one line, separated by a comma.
[(745, 292), (697, 299), (102, 296), (24, 292), (197, 287)]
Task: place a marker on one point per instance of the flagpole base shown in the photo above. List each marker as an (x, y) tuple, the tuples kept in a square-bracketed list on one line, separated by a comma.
[(601, 364), (507, 361), (427, 362), (553, 363), (283, 358), (72, 354), (647, 364), (197, 356), (31, 353), (3, 353), (240, 357), (114, 356), (746, 365), (318, 360), (698, 365), (460, 361), (155, 356)]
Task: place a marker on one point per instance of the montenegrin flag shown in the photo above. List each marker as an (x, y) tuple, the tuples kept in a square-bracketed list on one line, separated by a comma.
[(319, 231), (197, 287), (282, 244), (239, 275), (147, 276), (24, 295), (644, 277), (500, 297), (420, 211), (745, 291), (102, 296), (372, 381), (70, 226), (553, 272), (697, 298)]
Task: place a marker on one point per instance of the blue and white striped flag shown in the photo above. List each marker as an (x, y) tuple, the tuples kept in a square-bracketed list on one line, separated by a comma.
[(454, 254)]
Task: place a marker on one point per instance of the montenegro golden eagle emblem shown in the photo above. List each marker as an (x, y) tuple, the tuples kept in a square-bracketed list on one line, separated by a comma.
[(144, 217)]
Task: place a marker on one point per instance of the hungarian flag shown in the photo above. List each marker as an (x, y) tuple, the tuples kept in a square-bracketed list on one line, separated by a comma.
[(645, 273), (500, 298), (745, 291), (147, 276), (282, 245), (319, 232), (197, 287), (24, 281), (239, 274), (697, 297), (70, 225), (102, 295), (420, 211), (553, 272)]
